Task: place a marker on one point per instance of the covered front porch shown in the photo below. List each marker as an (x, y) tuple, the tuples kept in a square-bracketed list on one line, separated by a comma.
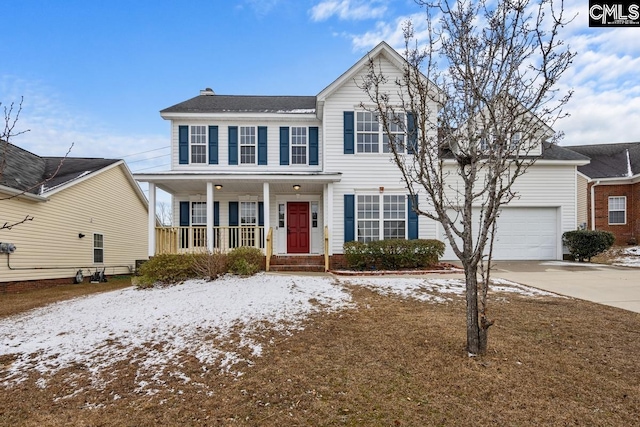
[(281, 214)]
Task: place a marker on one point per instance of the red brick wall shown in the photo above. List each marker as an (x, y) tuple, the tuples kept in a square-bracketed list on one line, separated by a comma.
[(625, 233)]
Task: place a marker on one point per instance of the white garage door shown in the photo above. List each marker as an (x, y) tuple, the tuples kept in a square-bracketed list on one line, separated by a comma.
[(523, 234)]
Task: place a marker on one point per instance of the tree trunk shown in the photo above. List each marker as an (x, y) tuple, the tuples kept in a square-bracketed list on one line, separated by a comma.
[(474, 340)]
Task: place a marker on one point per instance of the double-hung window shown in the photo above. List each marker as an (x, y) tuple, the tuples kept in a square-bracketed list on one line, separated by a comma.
[(617, 210), (299, 145), (368, 132), (396, 125), (247, 145), (381, 217), (98, 248), (198, 139), (516, 141), (199, 222), (248, 223)]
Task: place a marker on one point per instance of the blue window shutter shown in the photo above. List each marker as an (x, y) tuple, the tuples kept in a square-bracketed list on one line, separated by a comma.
[(412, 218), (184, 214), (216, 214), (349, 133), (183, 145), (313, 146), (349, 217), (412, 135), (233, 145), (284, 146), (261, 214), (213, 145), (262, 145), (233, 214)]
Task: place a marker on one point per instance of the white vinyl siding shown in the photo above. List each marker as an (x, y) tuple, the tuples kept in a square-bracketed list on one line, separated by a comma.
[(118, 214), (617, 210)]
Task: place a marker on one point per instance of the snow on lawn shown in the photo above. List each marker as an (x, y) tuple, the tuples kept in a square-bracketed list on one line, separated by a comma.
[(155, 328), (427, 289), (630, 257)]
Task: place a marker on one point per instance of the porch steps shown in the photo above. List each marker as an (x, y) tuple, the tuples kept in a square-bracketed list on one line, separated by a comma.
[(312, 263)]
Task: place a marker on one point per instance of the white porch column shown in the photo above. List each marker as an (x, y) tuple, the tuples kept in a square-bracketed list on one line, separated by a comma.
[(328, 213), (210, 216), (151, 250), (265, 199)]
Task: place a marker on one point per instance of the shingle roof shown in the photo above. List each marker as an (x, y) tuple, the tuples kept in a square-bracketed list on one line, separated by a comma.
[(28, 172), (549, 152), (244, 103), (610, 160)]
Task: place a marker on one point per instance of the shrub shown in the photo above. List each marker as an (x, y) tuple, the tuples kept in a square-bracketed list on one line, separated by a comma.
[(584, 244), (395, 254), (245, 261), (210, 266), (166, 269)]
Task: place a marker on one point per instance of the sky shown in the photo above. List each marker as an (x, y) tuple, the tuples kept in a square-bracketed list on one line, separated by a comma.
[(95, 74)]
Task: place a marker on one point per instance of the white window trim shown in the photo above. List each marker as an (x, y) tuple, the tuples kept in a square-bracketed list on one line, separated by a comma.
[(197, 224), (94, 247), (255, 145), (609, 210), (381, 219), (205, 144), (306, 146)]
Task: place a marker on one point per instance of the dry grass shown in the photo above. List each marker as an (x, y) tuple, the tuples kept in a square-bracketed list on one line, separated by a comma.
[(19, 302), (390, 362)]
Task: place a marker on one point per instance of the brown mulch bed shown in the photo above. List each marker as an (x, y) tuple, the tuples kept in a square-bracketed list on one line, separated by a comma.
[(387, 362)]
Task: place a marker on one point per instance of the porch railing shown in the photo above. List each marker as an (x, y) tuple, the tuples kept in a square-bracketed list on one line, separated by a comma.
[(326, 248), (269, 249), (172, 240)]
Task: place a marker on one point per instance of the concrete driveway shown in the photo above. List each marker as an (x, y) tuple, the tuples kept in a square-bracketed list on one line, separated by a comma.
[(609, 285)]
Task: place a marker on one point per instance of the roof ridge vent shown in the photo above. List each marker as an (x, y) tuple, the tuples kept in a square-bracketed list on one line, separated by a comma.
[(208, 91)]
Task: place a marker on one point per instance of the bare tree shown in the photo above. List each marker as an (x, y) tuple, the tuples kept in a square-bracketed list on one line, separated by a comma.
[(11, 117), (164, 213), (480, 98)]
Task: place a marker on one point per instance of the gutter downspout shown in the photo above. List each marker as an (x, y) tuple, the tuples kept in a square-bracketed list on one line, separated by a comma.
[(593, 205)]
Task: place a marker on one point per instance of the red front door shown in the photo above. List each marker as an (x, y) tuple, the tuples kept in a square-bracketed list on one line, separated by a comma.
[(298, 227)]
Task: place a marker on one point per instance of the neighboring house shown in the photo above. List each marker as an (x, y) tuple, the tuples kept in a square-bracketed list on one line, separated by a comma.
[(88, 214), (609, 189), (305, 174)]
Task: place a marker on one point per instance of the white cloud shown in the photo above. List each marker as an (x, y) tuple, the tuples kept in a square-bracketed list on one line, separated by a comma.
[(605, 106), (348, 9), (53, 126)]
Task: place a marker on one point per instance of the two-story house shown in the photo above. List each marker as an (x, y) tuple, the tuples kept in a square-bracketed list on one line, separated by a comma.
[(304, 174)]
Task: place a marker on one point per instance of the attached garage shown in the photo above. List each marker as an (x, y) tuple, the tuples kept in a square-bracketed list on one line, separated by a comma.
[(529, 233)]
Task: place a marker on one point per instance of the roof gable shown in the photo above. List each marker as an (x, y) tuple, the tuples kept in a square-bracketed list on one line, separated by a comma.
[(29, 174), (381, 49), (620, 160)]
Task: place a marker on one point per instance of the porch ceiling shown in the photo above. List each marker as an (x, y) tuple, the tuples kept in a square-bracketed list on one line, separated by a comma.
[(243, 184)]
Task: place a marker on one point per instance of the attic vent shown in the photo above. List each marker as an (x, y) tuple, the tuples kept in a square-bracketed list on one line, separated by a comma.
[(207, 91)]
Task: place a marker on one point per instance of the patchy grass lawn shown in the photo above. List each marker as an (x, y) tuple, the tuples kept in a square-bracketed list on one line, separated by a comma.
[(19, 302), (382, 360), (626, 256)]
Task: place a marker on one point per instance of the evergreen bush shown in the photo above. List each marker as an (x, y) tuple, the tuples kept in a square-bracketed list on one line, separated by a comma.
[(584, 244), (393, 254)]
